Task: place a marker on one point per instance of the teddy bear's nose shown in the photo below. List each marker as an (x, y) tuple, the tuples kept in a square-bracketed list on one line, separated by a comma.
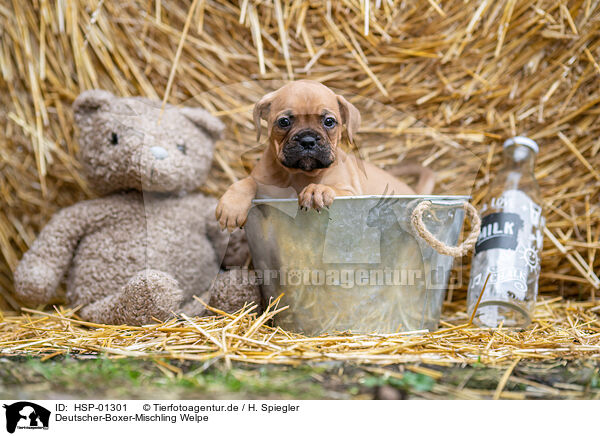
[(159, 153)]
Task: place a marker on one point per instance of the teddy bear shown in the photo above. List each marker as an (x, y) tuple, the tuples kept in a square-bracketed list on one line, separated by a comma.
[(149, 243)]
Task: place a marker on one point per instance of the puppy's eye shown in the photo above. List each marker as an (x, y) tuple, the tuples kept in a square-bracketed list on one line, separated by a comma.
[(284, 122), (114, 138), (329, 122), (182, 148)]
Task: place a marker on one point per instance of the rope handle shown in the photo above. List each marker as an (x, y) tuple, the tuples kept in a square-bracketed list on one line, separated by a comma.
[(416, 219)]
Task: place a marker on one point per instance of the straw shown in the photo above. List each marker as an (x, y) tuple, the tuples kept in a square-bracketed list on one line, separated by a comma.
[(560, 329), (452, 83)]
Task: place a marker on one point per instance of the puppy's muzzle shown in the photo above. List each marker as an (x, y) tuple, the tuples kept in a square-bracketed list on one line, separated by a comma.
[(307, 140), (307, 150)]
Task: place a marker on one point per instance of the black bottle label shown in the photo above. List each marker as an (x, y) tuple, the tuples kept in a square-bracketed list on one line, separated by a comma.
[(499, 230)]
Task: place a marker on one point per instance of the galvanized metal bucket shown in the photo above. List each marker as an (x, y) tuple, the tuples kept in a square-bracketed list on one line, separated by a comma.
[(358, 266)]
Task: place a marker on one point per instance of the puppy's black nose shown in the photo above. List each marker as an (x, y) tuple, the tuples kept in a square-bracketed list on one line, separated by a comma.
[(308, 141)]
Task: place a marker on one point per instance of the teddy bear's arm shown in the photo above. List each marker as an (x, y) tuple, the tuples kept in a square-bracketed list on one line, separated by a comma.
[(42, 268), (218, 239), (231, 250)]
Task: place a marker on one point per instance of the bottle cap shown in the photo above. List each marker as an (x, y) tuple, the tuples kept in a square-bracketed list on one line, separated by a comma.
[(522, 140)]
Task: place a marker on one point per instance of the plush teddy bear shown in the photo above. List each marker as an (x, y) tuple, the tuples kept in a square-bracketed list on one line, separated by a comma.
[(148, 244)]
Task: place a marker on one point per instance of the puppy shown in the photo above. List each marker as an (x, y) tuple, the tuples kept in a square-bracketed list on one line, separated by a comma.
[(305, 121)]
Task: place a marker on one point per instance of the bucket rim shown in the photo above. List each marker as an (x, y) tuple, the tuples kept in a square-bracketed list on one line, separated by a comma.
[(370, 197)]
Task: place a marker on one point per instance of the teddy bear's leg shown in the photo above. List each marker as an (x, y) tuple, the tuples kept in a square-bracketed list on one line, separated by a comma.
[(148, 295), (101, 311), (231, 290)]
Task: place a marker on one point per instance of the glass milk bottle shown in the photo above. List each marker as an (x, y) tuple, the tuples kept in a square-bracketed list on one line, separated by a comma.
[(510, 242)]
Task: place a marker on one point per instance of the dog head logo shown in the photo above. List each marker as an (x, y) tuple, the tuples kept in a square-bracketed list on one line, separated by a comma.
[(26, 415)]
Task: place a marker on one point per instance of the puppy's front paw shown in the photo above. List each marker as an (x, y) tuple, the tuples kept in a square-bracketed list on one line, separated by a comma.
[(232, 211), (316, 196)]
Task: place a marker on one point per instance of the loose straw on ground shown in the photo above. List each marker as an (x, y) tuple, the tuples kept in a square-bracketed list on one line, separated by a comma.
[(560, 329)]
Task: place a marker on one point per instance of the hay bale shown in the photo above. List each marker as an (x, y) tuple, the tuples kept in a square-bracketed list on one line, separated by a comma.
[(429, 77)]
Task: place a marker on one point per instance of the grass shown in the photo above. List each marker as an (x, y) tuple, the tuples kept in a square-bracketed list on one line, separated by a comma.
[(73, 377), (131, 378)]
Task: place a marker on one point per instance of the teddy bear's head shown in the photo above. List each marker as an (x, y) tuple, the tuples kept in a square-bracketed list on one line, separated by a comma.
[(130, 143)]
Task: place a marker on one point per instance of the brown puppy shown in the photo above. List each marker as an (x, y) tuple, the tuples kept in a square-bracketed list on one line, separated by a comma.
[(305, 121)]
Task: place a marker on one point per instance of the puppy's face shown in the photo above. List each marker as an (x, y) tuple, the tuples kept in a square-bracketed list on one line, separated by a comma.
[(305, 121)]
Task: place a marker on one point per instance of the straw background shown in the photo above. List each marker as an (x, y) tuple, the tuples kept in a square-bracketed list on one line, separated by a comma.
[(442, 73)]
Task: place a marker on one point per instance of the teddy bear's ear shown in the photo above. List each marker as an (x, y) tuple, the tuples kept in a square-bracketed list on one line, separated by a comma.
[(212, 125), (91, 100)]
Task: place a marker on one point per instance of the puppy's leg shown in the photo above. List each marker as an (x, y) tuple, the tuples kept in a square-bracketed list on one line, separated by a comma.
[(317, 196), (234, 205)]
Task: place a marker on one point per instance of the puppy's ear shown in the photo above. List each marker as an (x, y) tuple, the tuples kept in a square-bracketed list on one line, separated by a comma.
[(350, 116), (261, 111)]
